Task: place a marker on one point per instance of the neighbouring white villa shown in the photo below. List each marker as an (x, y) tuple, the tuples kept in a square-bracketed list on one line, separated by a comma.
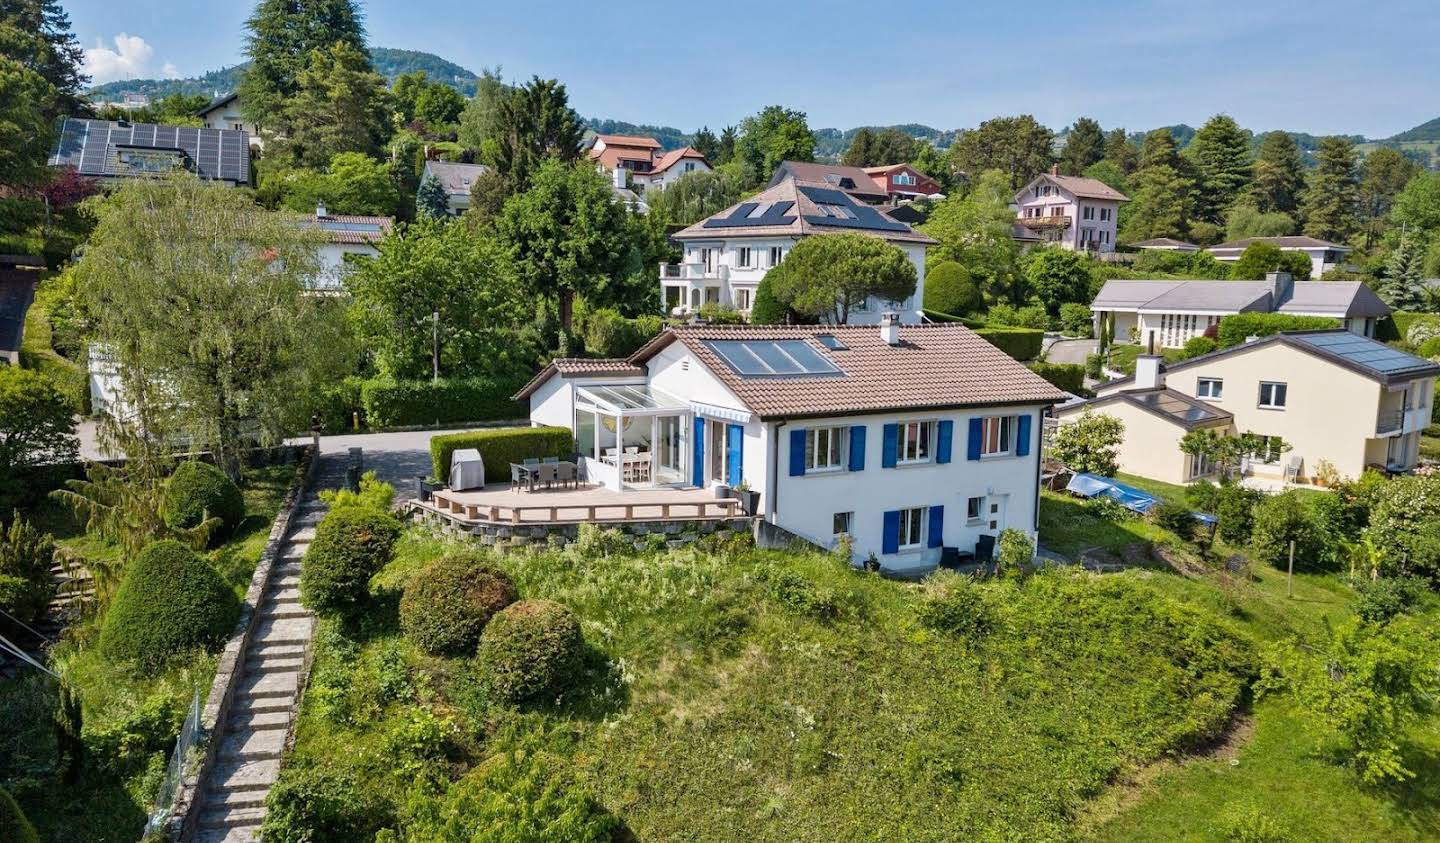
[(640, 162), (1169, 313), (1073, 212), (223, 112), (1331, 396), (1324, 255), (346, 236), (727, 254), (456, 179), (906, 439)]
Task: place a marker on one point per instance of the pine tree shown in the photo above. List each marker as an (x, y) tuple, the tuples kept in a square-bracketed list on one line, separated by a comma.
[(1401, 288), (725, 152), (535, 122), (859, 153), (283, 34), (706, 143), (1279, 175), (430, 199), (339, 107), (1084, 146), (1120, 151), (1331, 199), (1161, 203), (1221, 152), (36, 34)]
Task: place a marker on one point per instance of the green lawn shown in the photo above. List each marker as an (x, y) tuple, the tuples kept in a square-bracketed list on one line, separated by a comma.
[(1122, 357), (130, 722)]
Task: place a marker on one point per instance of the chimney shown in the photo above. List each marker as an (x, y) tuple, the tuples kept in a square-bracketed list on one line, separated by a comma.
[(620, 177), (1148, 374), (1281, 285), (1054, 169), (890, 327), (320, 210)]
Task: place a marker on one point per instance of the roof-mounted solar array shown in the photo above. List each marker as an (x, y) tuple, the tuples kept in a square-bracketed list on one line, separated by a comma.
[(741, 217), (1365, 352), (853, 215), (772, 358), (94, 147)]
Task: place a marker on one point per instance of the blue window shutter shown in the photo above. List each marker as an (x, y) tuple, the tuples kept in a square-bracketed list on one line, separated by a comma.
[(698, 465), (890, 541), (937, 526), (887, 454), (734, 454), (857, 447), (945, 434), (1022, 437), (797, 452), (972, 446)]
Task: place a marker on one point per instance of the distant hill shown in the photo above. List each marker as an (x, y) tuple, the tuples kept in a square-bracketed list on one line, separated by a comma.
[(830, 144), (390, 63), (1429, 131), (668, 136)]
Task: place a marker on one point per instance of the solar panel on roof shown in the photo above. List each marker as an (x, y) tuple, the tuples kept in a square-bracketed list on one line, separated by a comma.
[(91, 147), (1365, 352), (772, 358), (774, 215)]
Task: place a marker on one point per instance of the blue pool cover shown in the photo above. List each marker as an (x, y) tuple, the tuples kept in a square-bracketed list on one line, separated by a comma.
[(1093, 485)]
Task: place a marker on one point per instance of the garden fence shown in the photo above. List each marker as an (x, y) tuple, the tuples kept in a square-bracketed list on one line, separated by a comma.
[(186, 747)]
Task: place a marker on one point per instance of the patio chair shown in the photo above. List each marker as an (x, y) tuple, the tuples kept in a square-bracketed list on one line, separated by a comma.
[(547, 473), (530, 462), (1292, 470), (551, 460), (517, 475), (567, 473)]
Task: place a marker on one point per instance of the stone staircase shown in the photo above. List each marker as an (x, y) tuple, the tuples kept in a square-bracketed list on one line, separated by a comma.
[(252, 740)]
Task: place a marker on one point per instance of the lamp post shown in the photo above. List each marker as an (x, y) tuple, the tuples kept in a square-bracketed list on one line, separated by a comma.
[(435, 352)]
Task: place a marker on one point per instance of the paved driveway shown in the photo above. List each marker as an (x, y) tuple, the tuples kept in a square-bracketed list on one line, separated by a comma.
[(1070, 351), (396, 458)]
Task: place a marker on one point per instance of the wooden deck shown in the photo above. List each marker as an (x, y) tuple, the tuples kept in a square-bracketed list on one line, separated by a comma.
[(594, 504)]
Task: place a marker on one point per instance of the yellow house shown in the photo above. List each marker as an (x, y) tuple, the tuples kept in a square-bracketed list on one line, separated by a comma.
[(1332, 396)]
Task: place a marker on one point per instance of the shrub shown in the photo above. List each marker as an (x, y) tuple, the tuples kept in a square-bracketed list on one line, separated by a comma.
[(1090, 443), (390, 403), (950, 289), (1076, 320), (1377, 601), (529, 648), (1015, 550), (448, 602), (1203, 495), (1237, 326), (1029, 316), (1020, 343), (339, 403), (766, 309), (1067, 376), (170, 602), (13, 824), (501, 446), (1108, 509), (374, 494), (324, 803), (1094, 366), (1262, 257), (1235, 509), (955, 604), (26, 555), (1197, 346), (1249, 824), (198, 490), (606, 333), (717, 314), (1429, 348), (351, 545), (1175, 517), (1281, 519)]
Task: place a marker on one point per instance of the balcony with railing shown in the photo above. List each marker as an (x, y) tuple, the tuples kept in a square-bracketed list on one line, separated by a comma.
[(695, 271), (1047, 222), (1390, 421)]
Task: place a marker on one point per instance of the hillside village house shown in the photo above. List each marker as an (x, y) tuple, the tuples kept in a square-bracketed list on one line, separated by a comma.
[(112, 150), (1333, 396), (907, 439), (727, 254), (1324, 255), (1170, 313), (1071, 211), (639, 162), (1165, 244), (456, 179), (345, 236), (223, 112), (855, 181), (902, 182)]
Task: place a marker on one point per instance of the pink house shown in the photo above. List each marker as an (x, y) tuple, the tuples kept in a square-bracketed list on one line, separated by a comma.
[(1072, 211)]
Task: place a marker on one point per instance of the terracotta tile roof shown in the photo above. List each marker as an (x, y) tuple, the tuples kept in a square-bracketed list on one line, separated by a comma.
[(579, 367), (675, 156), (1078, 186), (628, 140), (933, 367), (796, 222), (349, 229)]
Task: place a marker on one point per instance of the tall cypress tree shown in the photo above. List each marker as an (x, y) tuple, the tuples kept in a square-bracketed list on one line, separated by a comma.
[(1084, 145), (1331, 199), (283, 34), (1221, 152), (1279, 174)]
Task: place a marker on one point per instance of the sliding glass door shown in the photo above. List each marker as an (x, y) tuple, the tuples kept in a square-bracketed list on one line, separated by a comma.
[(670, 449)]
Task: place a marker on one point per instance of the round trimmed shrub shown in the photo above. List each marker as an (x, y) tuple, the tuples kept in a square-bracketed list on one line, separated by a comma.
[(529, 648), (448, 602), (170, 602), (351, 545), (197, 490), (950, 289)]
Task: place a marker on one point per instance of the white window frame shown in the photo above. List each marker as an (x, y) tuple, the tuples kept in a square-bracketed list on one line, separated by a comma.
[(777, 254), (904, 178), (1284, 393), (912, 524), (975, 510), (742, 298), (1210, 388), (1200, 466), (924, 440), (1007, 435), (744, 256), (847, 519), (825, 449)]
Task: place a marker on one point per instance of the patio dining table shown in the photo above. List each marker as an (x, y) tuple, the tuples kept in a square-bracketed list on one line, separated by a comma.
[(548, 473)]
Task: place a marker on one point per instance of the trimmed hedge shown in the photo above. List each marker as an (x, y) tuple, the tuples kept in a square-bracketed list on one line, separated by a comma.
[(351, 545), (170, 602), (388, 403), (196, 490), (448, 602), (1237, 326), (1020, 343), (338, 404), (967, 321), (529, 648), (501, 446), (1067, 376)]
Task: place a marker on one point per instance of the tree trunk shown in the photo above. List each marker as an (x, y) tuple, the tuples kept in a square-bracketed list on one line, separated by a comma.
[(567, 308)]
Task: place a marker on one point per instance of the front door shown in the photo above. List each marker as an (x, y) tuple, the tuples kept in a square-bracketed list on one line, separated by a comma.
[(734, 454), (996, 516), (715, 447)]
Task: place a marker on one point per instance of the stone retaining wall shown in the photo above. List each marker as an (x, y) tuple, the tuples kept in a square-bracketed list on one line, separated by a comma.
[(674, 532), (185, 816)]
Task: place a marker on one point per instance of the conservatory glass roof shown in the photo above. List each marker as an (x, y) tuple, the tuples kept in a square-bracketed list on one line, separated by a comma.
[(630, 400)]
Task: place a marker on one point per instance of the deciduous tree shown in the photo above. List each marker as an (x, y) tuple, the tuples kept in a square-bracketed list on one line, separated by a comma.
[(696, 195), (1058, 276), (1091, 443), (828, 276), (1019, 147), (974, 230), (438, 105), (354, 183), (774, 135), (37, 426)]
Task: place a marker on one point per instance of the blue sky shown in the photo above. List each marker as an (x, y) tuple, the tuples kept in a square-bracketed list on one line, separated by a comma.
[(1322, 66)]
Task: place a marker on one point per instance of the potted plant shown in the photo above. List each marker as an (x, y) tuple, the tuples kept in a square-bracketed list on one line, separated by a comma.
[(749, 500), (428, 487)]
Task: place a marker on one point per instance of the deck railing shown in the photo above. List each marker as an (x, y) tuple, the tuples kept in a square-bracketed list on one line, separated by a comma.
[(1390, 421), (594, 512)]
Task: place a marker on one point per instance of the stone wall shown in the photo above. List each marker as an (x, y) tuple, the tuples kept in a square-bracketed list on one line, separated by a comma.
[(673, 533)]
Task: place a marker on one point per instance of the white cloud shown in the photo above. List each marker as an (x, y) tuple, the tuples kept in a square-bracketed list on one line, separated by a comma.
[(131, 58)]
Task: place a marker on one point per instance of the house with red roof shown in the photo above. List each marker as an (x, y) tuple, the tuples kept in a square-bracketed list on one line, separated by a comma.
[(902, 182), (1073, 212), (638, 162)]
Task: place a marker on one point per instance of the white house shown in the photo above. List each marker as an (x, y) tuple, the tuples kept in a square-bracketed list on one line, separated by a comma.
[(1324, 255), (346, 235), (641, 163), (1170, 313), (223, 112), (1071, 211), (727, 254), (907, 439), (456, 179)]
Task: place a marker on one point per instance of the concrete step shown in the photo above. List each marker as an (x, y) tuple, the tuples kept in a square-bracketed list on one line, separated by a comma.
[(238, 834), (293, 551), (260, 650), (284, 630), (223, 817), (282, 609), (285, 580), (307, 517), (304, 533), (254, 743), (258, 720), (284, 593), (240, 774), (266, 705), (269, 685), (236, 799), (273, 663)]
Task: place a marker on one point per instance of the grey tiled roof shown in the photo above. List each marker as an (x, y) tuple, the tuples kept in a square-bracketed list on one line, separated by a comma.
[(1291, 242), (455, 178), (1341, 299)]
